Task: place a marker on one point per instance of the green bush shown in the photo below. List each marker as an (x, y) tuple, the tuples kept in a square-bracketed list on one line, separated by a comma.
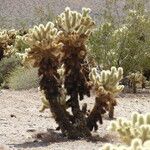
[(6, 66), (23, 78), (127, 43)]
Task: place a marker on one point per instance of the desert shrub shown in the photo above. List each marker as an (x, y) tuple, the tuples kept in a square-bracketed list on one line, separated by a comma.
[(7, 65), (23, 78), (124, 44)]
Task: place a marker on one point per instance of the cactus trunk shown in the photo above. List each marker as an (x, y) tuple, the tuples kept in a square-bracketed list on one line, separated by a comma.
[(134, 87), (1, 53), (76, 76), (111, 112), (74, 85), (95, 115), (50, 84)]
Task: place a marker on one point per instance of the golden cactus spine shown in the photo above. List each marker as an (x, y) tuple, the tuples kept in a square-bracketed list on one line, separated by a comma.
[(137, 127), (74, 22), (136, 144), (106, 86), (7, 39)]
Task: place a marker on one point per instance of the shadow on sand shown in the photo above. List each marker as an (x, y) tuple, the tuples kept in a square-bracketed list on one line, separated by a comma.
[(43, 139)]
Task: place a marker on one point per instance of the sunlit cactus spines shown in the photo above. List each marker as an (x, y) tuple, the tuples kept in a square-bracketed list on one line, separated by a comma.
[(7, 39), (74, 22), (137, 127), (136, 144), (108, 79), (45, 103), (42, 42), (106, 86), (136, 78)]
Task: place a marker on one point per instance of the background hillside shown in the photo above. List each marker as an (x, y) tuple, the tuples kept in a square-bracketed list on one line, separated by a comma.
[(16, 13)]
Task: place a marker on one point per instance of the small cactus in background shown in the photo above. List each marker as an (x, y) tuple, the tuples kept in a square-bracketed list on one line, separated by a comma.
[(136, 144), (137, 127), (136, 78), (20, 45), (106, 85), (7, 39), (107, 80)]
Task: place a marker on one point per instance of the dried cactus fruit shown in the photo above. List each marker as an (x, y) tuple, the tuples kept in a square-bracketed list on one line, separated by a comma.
[(137, 127)]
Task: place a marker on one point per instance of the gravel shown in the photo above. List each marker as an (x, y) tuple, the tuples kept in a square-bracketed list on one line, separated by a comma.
[(22, 126)]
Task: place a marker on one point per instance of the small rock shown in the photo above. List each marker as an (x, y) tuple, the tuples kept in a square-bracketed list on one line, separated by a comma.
[(31, 130), (13, 116)]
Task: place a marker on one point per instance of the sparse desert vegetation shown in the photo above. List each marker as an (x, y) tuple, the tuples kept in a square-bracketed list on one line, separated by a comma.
[(67, 80)]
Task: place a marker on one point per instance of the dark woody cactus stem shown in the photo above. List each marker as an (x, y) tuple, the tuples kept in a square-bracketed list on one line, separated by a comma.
[(76, 28), (50, 84), (45, 53), (1, 53), (76, 84)]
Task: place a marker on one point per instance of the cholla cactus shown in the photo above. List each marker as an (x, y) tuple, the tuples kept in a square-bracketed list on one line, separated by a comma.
[(74, 22), (137, 127), (136, 144), (108, 80), (43, 43), (76, 29), (45, 103), (20, 45), (7, 39), (62, 97), (106, 83), (45, 53), (136, 78)]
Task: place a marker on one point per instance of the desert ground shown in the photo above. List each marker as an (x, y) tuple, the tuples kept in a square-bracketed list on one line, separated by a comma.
[(22, 126)]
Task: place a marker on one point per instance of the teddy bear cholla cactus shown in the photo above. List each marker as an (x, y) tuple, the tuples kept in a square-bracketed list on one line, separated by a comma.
[(106, 85), (45, 53), (7, 39), (62, 98), (76, 28), (136, 78), (136, 144), (74, 22), (137, 127), (107, 80), (43, 43)]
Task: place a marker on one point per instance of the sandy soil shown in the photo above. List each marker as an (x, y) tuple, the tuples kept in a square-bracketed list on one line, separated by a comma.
[(22, 126)]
